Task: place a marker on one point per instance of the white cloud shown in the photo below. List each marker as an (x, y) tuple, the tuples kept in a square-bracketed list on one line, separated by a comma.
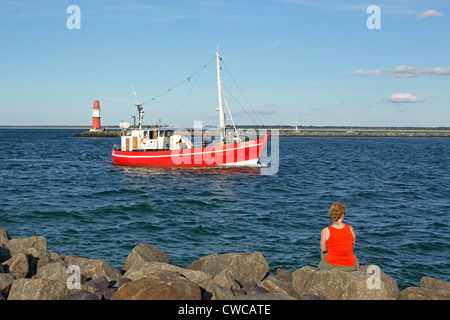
[(367, 72), (404, 98), (403, 71), (429, 14)]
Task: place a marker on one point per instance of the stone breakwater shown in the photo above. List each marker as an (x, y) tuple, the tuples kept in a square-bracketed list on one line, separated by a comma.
[(99, 134), (311, 133), (364, 133), (28, 271)]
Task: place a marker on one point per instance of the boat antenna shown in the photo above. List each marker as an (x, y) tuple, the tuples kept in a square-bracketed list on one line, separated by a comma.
[(139, 107)]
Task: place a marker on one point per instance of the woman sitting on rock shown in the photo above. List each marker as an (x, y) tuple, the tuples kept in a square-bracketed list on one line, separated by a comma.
[(337, 242)]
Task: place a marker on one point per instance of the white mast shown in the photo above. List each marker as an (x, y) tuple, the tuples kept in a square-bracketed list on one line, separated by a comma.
[(139, 107), (222, 124)]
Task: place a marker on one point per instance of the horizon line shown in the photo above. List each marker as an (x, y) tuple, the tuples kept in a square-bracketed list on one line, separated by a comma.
[(38, 126)]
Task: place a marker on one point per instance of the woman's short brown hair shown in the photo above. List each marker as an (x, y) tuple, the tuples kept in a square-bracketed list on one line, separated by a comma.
[(337, 211)]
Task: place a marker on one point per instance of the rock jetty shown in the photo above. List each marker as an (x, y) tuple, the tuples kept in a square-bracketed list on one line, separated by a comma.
[(318, 132), (99, 134), (364, 133), (28, 271)]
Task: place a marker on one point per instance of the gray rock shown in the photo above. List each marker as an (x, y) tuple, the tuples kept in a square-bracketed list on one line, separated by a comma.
[(252, 288), (284, 275), (38, 289), (416, 293), (266, 296), (311, 297), (430, 289), (242, 267), (144, 252), (19, 265), (101, 287), (6, 281), (159, 285), (121, 282), (220, 293), (275, 285), (18, 245), (4, 236), (139, 270), (92, 268), (53, 271), (38, 258), (82, 295), (433, 283), (340, 285), (226, 281)]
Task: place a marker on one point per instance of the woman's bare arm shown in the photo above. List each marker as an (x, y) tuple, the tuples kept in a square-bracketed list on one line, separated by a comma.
[(354, 237), (323, 238)]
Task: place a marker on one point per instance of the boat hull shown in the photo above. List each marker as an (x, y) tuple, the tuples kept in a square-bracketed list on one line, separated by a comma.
[(236, 154)]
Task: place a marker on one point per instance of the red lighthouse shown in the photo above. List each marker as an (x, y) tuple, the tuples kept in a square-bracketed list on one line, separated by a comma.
[(96, 116)]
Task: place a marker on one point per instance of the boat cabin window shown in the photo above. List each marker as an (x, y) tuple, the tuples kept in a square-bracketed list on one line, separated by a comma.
[(165, 133), (151, 134)]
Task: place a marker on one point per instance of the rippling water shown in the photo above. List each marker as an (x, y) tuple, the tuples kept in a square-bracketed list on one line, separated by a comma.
[(396, 191)]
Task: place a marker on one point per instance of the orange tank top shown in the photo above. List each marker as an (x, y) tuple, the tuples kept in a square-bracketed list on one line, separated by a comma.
[(340, 247)]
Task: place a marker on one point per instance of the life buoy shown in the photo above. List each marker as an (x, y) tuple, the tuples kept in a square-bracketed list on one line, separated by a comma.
[(144, 140)]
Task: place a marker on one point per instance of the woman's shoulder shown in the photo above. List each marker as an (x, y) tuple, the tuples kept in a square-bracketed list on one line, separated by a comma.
[(347, 226), (338, 227), (325, 233)]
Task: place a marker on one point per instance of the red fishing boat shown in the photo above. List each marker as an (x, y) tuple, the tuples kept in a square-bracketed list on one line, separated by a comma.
[(197, 146)]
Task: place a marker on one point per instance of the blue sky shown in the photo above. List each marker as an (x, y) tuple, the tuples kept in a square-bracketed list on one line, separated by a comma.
[(314, 62)]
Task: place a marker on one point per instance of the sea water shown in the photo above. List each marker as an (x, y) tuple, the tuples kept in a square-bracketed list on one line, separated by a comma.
[(397, 193)]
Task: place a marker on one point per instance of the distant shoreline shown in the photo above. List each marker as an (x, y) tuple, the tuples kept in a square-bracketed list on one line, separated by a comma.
[(257, 127), (53, 127), (310, 131)]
